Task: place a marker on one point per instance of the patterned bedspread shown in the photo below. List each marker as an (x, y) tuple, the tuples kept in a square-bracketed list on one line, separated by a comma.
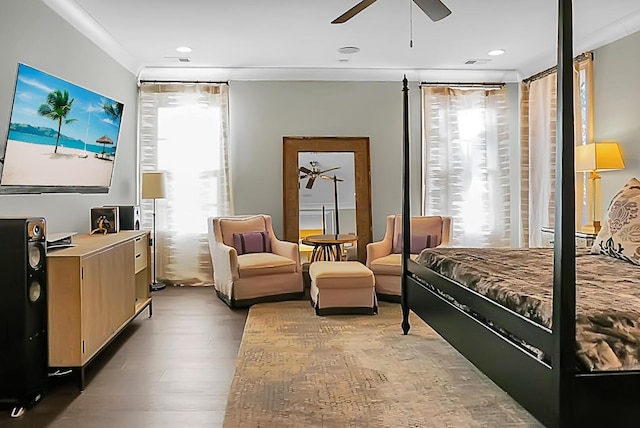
[(607, 295)]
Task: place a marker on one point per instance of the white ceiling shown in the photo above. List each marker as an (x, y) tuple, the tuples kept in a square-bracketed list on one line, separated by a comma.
[(293, 39)]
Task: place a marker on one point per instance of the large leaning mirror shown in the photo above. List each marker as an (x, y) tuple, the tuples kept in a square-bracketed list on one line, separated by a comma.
[(327, 187)]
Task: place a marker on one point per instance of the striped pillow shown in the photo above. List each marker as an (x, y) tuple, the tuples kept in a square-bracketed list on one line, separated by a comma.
[(252, 242)]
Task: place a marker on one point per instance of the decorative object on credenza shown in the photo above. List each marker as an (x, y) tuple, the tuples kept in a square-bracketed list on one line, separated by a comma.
[(154, 187), (594, 158), (105, 220), (129, 216)]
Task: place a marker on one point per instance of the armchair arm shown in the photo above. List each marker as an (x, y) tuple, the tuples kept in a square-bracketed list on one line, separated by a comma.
[(375, 250), (225, 267), (286, 249)]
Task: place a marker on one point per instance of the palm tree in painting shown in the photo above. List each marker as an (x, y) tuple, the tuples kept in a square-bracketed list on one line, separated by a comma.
[(57, 108), (113, 111)]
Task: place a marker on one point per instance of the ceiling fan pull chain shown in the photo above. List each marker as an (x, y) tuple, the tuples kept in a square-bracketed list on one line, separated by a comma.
[(410, 23)]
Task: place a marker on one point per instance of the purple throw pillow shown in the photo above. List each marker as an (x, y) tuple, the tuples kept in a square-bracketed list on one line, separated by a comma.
[(252, 242), (418, 243)]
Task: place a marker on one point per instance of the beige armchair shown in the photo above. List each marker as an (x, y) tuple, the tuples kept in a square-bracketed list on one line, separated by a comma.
[(266, 270), (384, 259)]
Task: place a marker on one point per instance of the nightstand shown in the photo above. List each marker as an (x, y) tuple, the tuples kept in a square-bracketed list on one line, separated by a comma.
[(583, 239)]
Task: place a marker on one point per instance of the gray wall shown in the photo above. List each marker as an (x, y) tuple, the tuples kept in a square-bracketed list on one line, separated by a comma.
[(262, 112), (617, 108), (33, 34)]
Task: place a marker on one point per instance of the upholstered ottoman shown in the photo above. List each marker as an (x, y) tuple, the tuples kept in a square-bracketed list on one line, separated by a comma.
[(342, 288)]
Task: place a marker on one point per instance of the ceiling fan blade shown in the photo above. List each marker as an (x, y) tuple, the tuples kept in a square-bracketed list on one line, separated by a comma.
[(435, 9), (327, 170), (353, 11), (304, 169), (303, 176), (310, 182), (326, 177)]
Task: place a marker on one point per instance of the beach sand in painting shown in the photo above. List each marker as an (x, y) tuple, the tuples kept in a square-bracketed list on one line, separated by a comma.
[(30, 164)]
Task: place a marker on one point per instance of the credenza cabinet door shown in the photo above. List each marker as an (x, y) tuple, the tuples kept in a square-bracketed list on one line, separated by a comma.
[(94, 327), (119, 284), (108, 295)]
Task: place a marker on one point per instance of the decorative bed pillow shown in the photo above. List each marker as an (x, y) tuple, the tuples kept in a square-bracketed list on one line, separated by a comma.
[(252, 242), (418, 243), (620, 233)]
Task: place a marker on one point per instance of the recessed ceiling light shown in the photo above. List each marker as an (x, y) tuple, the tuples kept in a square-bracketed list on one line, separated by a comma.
[(496, 52), (184, 49), (349, 49)]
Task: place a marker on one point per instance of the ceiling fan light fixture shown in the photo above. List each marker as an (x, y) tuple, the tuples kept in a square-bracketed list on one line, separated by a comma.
[(347, 50), (496, 52)]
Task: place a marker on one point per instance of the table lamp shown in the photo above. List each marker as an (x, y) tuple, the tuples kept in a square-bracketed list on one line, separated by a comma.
[(594, 158), (154, 187)]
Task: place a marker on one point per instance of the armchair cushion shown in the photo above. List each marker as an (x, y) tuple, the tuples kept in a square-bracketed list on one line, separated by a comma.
[(252, 242), (256, 264), (389, 265)]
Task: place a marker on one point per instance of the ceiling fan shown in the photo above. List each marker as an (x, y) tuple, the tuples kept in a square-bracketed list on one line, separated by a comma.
[(435, 9), (315, 172)]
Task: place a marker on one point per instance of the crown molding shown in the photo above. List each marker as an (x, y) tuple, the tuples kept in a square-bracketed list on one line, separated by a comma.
[(608, 34), (323, 74), (82, 21)]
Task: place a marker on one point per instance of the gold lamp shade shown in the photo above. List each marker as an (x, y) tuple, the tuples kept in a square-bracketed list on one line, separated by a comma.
[(593, 158), (601, 156)]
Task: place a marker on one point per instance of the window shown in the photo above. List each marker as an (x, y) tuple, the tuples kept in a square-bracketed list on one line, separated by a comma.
[(184, 132)]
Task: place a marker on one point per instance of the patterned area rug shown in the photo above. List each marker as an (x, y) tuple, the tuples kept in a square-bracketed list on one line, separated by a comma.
[(296, 369)]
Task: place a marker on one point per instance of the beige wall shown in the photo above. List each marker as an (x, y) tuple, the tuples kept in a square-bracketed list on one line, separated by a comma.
[(33, 34), (617, 107)]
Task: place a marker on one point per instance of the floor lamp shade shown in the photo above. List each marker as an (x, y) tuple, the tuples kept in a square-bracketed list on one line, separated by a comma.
[(153, 185), (594, 158)]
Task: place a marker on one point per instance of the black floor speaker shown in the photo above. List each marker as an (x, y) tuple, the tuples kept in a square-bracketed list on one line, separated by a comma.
[(23, 310), (129, 217)]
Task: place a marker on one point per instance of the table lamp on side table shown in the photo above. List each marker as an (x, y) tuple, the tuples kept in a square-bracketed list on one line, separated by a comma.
[(153, 187), (594, 158)]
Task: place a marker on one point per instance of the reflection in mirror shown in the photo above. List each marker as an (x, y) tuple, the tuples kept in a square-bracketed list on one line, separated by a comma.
[(326, 179)]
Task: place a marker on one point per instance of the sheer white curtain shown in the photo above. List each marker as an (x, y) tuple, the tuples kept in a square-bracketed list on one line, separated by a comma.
[(538, 148), (542, 154), (466, 163), (184, 131)]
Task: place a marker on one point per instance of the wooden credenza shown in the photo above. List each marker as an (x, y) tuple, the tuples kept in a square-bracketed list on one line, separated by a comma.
[(95, 289)]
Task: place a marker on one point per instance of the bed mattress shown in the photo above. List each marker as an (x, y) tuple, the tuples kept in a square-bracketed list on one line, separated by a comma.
[(607, 295)]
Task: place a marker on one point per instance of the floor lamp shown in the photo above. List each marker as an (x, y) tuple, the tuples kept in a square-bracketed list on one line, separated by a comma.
[(153, 187), (594, 158)]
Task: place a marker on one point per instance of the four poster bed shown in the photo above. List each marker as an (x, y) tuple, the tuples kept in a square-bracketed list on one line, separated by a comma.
[(497, 306)]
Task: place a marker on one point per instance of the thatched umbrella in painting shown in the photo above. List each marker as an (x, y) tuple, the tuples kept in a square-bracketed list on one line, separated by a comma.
[(104, 140)]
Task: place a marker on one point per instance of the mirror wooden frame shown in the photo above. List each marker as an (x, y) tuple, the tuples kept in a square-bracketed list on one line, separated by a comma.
[(359, 146)]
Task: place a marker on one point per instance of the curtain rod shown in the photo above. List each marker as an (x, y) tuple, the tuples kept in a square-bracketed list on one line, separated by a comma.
[(497, 85), (583, 56), (155, 82)]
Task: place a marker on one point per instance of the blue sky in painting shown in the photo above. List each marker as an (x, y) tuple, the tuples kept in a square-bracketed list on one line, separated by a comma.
[(32, 88)]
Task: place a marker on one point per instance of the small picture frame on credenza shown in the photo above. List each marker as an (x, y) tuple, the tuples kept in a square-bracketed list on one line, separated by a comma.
[(105, 220)]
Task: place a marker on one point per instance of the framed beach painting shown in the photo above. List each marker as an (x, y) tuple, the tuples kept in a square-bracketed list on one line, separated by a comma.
[(61, 137)]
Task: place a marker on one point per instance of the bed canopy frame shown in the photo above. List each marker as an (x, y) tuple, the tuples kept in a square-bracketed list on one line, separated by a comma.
[(554, 392)]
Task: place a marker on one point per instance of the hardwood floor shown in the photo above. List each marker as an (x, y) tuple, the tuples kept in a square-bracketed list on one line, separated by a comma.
[(171, 370)]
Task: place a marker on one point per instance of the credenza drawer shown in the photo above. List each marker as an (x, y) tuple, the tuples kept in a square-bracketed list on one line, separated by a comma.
[(141, 244), (140, 252)]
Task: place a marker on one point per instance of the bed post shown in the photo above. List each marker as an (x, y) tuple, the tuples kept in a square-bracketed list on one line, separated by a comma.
[(406, 213), (564, 274)]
